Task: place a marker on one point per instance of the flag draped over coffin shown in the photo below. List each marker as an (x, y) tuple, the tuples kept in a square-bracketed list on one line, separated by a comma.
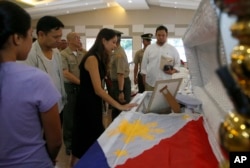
[(152, 141)]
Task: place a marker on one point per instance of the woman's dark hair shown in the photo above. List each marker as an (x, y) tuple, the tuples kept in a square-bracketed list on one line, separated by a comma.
[(13, 20), (48, 23), (98, 47)]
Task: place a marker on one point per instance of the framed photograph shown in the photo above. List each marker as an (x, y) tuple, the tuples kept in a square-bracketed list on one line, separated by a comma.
[(143, 105), (157, 103)]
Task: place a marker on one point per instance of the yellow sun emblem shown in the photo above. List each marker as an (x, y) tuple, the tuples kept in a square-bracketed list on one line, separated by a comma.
[(185, 117), (120, 153), (136, 128)]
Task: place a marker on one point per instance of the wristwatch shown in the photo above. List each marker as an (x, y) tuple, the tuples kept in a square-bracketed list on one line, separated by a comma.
[(120, 91)]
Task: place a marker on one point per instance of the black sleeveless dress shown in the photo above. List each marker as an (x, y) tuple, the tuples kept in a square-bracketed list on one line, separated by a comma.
[(88, 124)]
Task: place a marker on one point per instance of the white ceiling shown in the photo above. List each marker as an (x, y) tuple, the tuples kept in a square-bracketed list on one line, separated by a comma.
[(62, 7)]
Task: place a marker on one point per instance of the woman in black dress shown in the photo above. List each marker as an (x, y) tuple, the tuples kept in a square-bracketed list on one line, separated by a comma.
[(88, 124)]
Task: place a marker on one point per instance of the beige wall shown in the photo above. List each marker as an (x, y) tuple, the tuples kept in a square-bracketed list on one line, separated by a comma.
[(131, 23)]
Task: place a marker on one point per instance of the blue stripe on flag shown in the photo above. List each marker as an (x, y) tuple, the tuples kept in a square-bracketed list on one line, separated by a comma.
[(94, 158)]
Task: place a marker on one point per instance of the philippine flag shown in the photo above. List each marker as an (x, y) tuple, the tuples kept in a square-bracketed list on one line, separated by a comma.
[(136, 140)]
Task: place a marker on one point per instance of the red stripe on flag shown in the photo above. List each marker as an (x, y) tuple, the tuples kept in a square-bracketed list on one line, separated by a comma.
[(188, 148)]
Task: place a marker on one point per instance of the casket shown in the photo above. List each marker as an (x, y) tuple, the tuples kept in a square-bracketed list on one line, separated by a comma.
[(187, 139)]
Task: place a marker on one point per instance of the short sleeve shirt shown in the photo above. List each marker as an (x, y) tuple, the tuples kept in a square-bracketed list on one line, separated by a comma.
[(138, 57), (25, 92), (119, 63), (71, 61)]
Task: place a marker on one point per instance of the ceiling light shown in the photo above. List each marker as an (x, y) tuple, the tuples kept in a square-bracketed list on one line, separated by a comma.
[(130, 1), (35, 2)]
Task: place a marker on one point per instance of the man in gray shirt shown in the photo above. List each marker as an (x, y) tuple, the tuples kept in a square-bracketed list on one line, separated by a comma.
[(45, 56)]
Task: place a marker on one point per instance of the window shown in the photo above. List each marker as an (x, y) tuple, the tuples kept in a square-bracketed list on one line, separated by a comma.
[(126, 43), (89, 43), (178, 44)]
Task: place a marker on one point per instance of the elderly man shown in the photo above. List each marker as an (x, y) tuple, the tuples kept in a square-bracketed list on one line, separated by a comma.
[(71, 58)]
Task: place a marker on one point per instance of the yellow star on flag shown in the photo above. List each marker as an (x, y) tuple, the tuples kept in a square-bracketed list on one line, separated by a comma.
[(134, 129)]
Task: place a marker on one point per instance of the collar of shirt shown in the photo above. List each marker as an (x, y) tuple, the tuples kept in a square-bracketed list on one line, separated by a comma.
[(74, 52)]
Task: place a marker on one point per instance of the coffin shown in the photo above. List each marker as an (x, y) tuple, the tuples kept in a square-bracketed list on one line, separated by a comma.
[(189, 139), (208, 46)]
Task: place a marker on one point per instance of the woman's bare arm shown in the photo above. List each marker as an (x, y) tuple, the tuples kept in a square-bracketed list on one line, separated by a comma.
[(91, 65), (52, 131)]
